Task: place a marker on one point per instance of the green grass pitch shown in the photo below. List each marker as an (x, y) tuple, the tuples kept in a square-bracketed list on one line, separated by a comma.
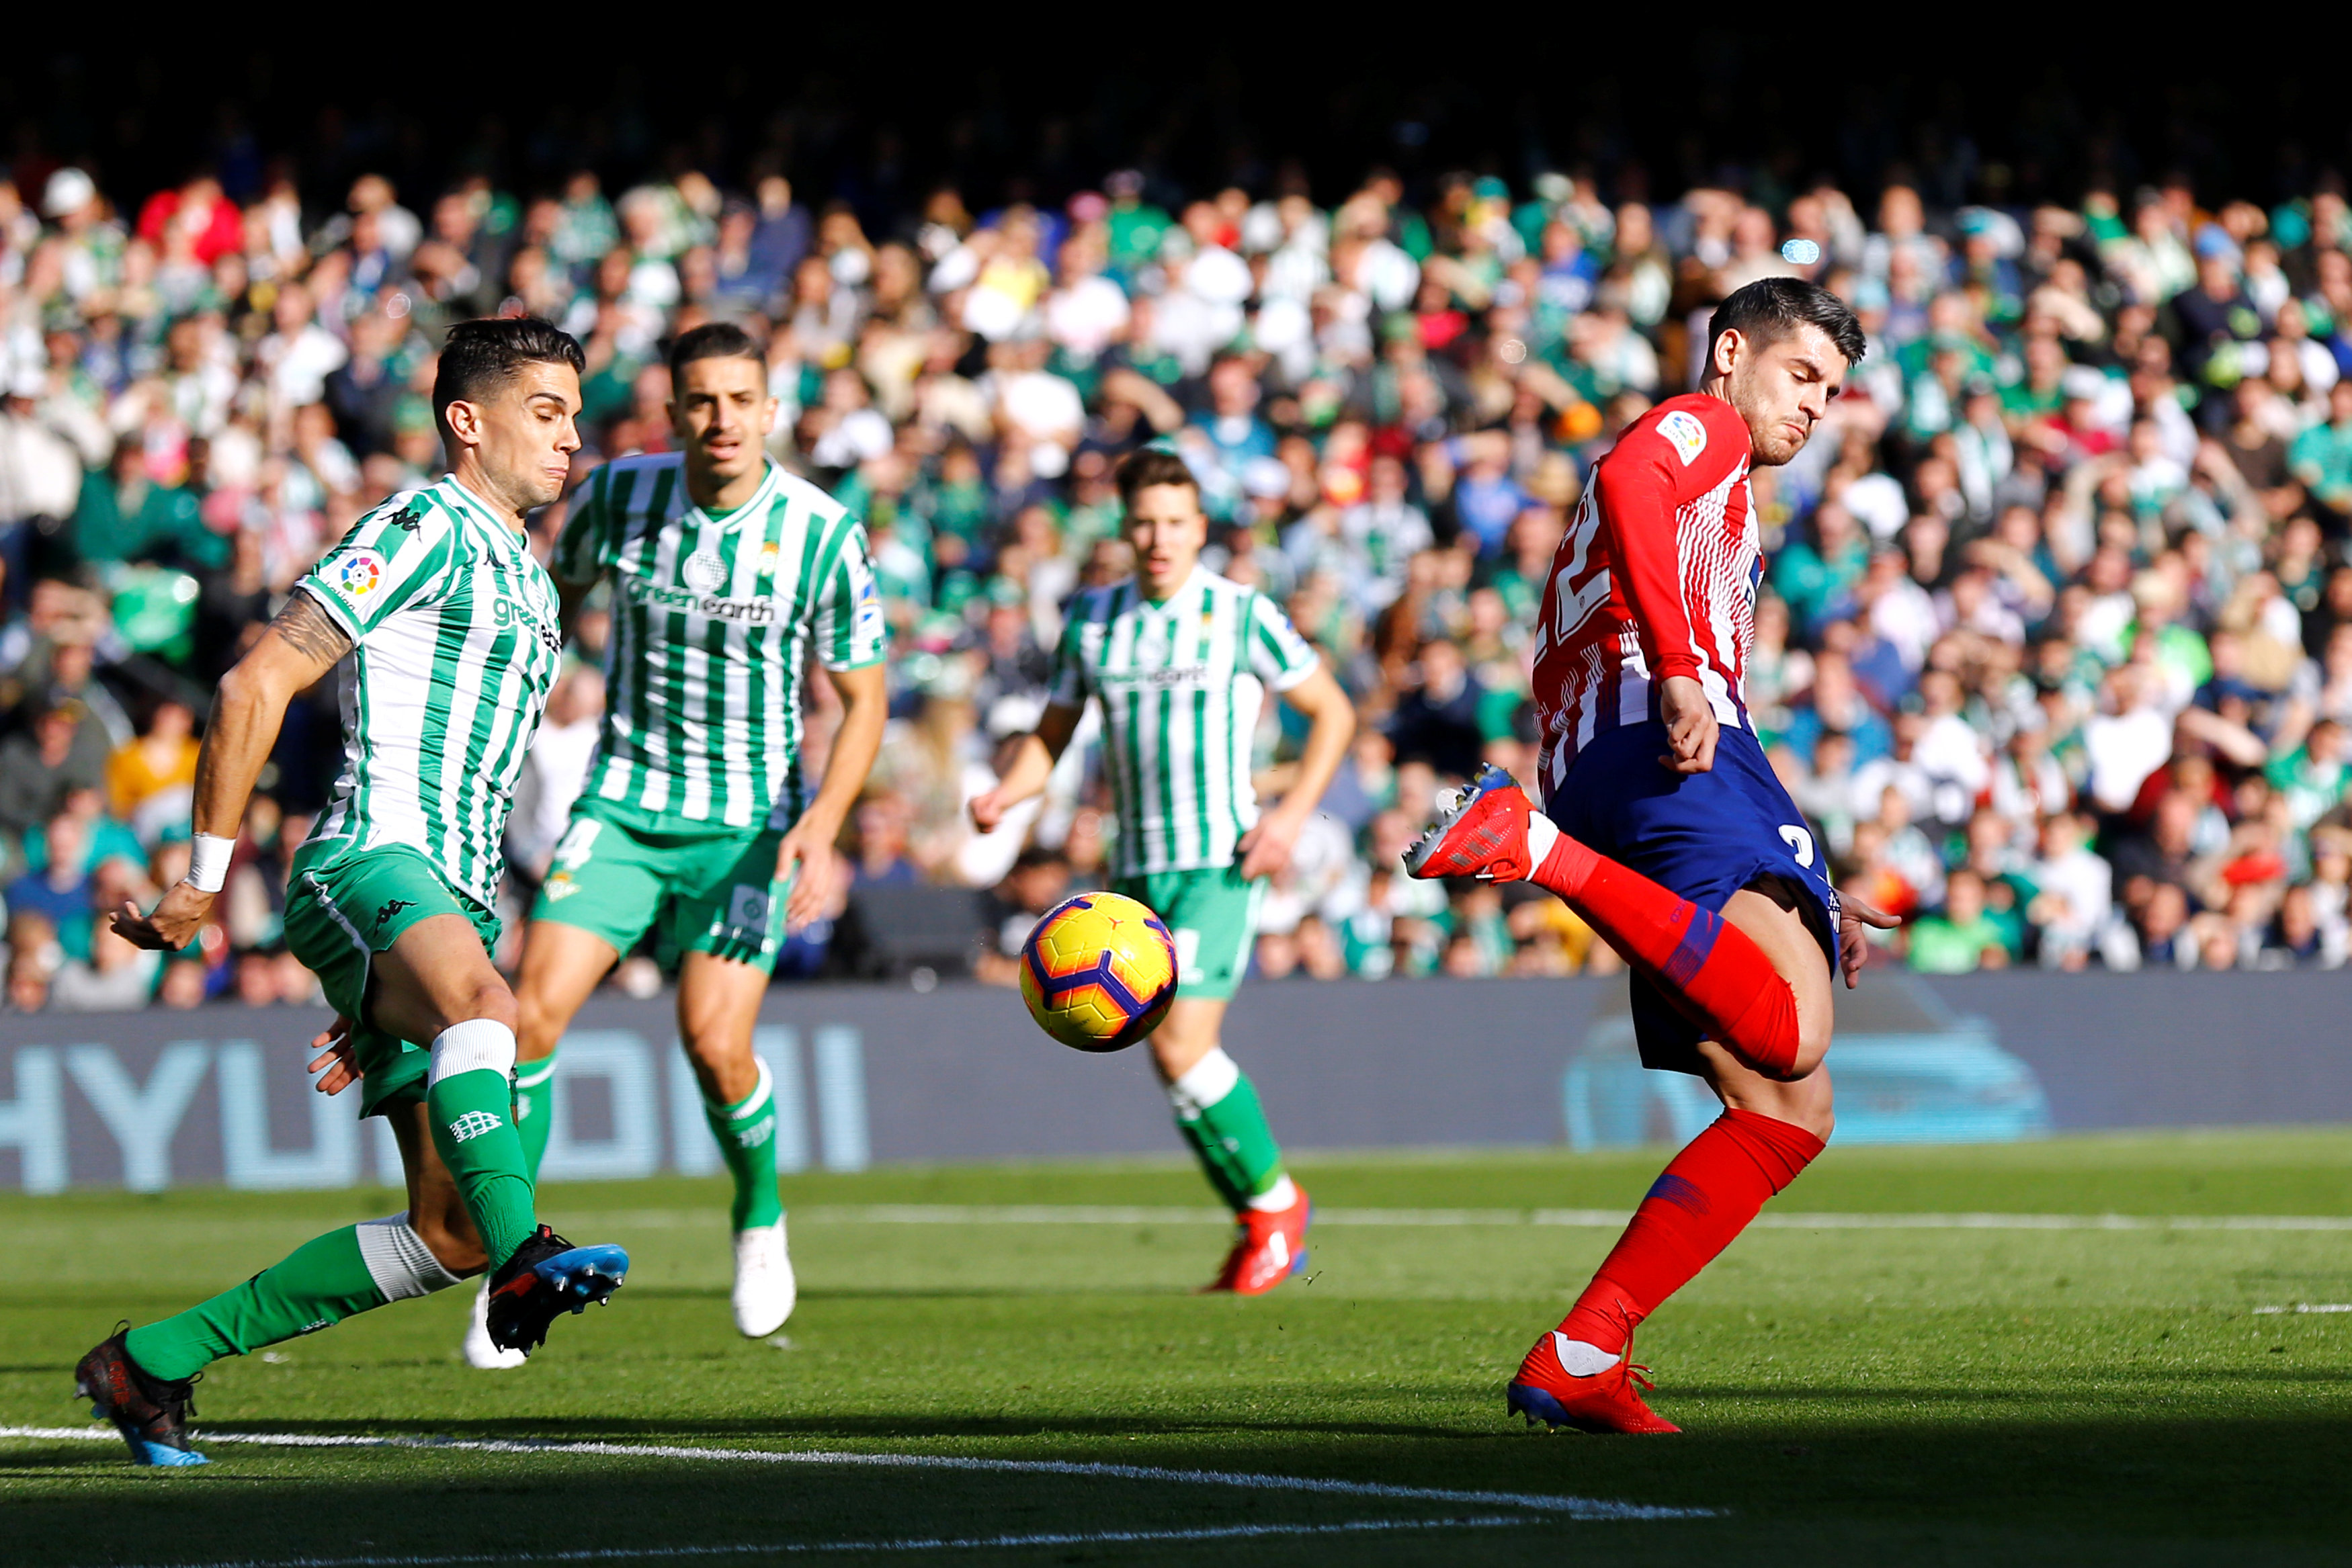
[(1850, 1393)]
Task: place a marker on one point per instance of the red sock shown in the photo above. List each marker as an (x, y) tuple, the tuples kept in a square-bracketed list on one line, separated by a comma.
[(1704, 1198), (1709, 963)]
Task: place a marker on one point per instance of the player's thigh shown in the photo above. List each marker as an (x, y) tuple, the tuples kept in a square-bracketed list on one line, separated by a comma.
[(561, 966), (436, 973), (436, 1209), (726, 900), (1796, 956), (1212, 918), (606, 880), (1189, 1032), (718, 1008)]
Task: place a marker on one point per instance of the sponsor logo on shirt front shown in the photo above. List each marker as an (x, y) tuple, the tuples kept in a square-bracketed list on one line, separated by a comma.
[(754, 611), (1688, 436), (704, 572), (1170, 675)]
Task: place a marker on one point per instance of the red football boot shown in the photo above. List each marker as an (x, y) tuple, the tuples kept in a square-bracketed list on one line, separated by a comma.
[(1271, 1248), (1604, 1402), (1480, 831)]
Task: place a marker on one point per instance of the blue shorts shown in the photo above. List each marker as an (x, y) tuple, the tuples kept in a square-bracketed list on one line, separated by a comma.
[(1703, 836)]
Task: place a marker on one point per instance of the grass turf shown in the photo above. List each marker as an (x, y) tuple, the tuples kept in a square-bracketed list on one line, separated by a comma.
[(1909, 1394)]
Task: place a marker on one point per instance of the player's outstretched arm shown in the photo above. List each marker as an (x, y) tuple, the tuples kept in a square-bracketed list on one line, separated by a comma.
[(1331, 725), (808, 846), (1030, 766), (296, 648)]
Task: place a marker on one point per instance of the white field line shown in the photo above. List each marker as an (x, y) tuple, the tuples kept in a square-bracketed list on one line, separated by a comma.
[(910, 1544), (1574, 1506), (2305, 1307), (1609, 1218)]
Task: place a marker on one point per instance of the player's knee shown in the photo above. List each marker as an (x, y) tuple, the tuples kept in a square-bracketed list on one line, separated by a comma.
[(447, 1233), (537, 1026), (489, 1000), (1809, 1103)]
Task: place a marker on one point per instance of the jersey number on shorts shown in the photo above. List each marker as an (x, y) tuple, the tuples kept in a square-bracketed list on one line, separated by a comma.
[(572, 850), (1799, 842)]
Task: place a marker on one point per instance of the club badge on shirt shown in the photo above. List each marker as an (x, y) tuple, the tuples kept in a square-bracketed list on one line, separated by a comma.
[(1683, 430)]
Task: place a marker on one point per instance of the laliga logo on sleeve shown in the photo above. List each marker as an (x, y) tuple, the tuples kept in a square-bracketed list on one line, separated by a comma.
[(356, 575), (1688, 436)]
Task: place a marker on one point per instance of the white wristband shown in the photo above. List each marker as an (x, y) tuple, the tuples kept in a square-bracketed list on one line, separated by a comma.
[(209, 862)]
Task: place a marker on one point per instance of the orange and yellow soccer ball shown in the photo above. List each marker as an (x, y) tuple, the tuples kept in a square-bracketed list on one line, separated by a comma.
[(1098, 972)]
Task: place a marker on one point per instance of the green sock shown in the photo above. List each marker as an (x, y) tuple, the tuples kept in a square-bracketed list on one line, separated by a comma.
[(471, 1111), (534, 1110), (746, 1132), (1217, 1111), (322, 1282)]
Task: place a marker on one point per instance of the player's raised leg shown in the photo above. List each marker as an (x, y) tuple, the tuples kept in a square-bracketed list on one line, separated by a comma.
[(1710, 966), (561, 966), (1581, 1373), (435, 983)]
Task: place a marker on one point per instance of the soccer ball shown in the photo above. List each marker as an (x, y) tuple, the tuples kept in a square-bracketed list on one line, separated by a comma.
[(1098, 972)]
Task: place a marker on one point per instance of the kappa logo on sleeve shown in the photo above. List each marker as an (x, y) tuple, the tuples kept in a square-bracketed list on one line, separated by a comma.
[(1688, 436)]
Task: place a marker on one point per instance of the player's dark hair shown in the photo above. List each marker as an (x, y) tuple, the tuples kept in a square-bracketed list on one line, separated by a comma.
[(478, 357), (714, 341), (1770, 309), (1152, 466)]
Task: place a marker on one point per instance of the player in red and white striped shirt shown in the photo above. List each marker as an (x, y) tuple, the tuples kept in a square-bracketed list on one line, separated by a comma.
[(1664, 826), (1631, 604)]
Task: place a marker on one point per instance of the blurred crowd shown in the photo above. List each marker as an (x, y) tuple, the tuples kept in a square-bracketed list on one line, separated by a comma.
[(2054, 644)]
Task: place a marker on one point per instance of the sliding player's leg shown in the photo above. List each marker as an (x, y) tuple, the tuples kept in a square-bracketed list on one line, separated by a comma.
[(140, 1380), (1212, 916), (1580, 1374)]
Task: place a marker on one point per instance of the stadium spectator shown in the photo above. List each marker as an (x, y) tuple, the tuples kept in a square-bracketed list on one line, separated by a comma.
[(2081, 524)]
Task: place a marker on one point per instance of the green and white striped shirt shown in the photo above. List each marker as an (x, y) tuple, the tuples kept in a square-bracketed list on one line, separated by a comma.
[(1181, 685), (454, 626), (713, 623)]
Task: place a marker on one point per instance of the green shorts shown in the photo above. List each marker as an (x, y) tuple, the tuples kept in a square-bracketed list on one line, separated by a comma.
[(344, 908), (1213, 914), (712, 890)]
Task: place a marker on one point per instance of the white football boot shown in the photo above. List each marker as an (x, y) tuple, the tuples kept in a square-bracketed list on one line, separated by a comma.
[(764, 1289), (479, 1352)]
